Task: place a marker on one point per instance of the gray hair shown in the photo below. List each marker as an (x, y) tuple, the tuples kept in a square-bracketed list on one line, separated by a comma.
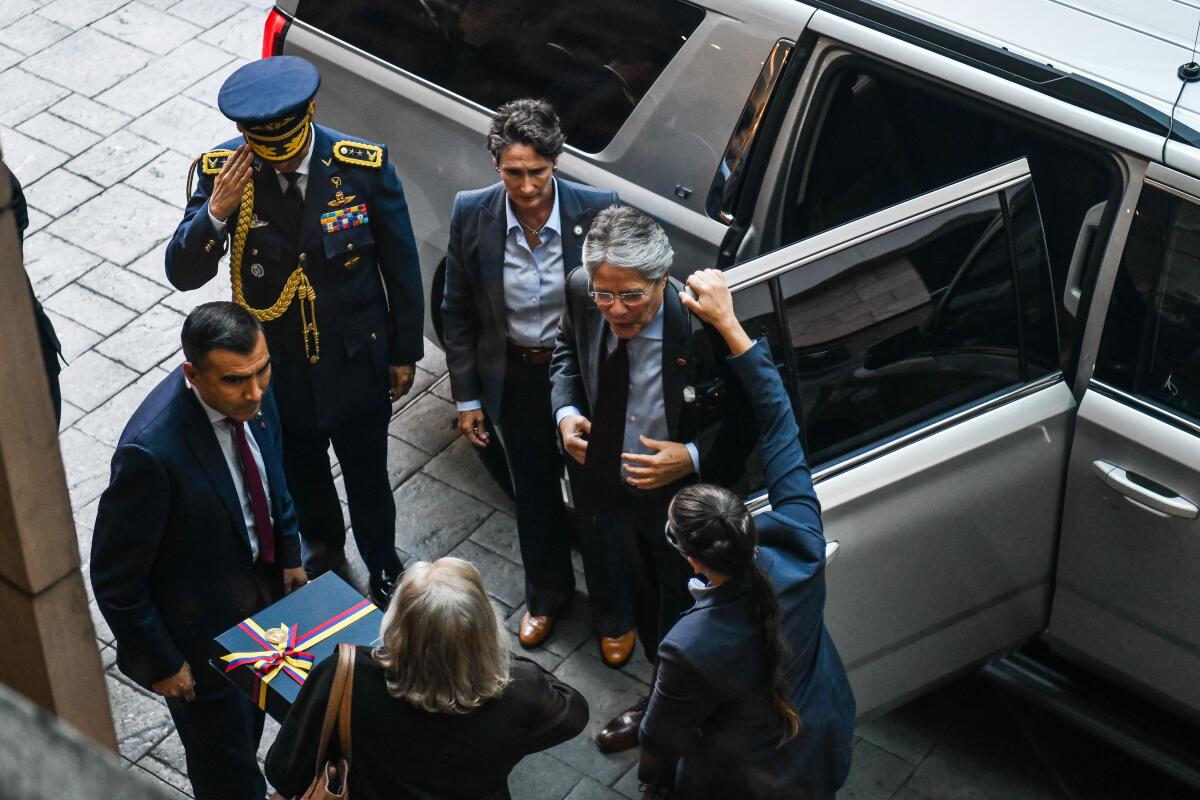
[(442, 647), (526, 121), (625, 237)]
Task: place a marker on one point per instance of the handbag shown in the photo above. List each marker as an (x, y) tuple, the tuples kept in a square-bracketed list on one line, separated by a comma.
[(331, 777)]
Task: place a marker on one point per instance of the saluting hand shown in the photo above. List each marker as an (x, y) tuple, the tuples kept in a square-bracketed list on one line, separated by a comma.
[(670, 462), (231, 182)]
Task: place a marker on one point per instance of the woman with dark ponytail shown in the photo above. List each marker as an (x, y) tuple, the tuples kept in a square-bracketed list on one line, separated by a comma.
[(751, 698)]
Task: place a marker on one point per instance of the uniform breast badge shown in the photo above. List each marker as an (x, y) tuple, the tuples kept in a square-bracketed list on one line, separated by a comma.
[(255, 222), (340, 199), (257, 270), (343, 218)]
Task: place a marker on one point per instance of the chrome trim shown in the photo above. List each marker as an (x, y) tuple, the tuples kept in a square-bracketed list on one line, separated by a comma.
[(1171, 190), (889, 219), (1158, 412), (761, 503), (732, 171), (1176, 182)]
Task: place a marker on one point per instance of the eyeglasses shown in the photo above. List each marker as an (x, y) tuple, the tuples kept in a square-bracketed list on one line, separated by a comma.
[(631, 299), (672, 539)]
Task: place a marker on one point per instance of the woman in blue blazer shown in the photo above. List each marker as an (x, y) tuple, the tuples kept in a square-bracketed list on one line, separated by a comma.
[(751, 698)]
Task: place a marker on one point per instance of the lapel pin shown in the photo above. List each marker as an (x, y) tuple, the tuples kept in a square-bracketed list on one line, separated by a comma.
[(327, 162), (689, 394), (578, 230), (681, 361)]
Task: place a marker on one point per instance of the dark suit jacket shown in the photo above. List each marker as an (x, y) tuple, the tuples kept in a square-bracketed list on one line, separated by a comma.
[(711, 730), (171, 560), (474, 314), (575, 368), (400, 752), (361, 328)]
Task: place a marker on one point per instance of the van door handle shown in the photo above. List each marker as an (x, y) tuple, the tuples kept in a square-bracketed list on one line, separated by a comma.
[(831, 548), (1084, 242), (1140, 494)]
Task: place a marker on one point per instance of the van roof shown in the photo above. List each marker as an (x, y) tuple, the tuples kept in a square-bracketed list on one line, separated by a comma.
[(1135, 48)]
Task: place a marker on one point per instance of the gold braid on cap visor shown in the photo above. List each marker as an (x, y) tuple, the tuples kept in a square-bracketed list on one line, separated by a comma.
[(280, 146)]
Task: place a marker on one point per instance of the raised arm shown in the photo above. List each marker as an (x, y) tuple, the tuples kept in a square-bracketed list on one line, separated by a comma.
[(789, 482)]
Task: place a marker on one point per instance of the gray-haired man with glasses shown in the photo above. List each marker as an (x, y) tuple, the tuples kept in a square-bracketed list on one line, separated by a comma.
[(618, 373)]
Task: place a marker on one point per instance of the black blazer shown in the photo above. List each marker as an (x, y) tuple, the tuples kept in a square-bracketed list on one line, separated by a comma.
[(710, 730), (400, 752), (474, 314), (171, 560), (369, 302)]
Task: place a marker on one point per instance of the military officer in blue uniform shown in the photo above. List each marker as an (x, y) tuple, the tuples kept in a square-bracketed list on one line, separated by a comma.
[(321, 250)]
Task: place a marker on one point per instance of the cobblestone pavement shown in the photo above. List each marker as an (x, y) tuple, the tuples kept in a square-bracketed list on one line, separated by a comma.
[(103, 104)]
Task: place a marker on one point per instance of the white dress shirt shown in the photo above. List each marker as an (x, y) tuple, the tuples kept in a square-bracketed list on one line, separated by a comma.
[(301, 184), (233, 461)]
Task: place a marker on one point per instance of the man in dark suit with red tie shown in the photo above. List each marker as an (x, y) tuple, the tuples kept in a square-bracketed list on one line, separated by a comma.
[(195, 532)]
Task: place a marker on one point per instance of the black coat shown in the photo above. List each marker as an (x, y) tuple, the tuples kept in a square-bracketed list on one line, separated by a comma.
[(369, 302), (400, 752), (171, 560), (711, 730)]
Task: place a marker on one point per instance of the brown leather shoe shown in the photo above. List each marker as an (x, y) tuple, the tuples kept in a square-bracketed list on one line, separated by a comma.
[(622, 732), (535, 630), (616, 650)]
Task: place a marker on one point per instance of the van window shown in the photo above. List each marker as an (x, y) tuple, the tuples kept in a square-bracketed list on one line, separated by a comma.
[(593, 59), (1151, 341)]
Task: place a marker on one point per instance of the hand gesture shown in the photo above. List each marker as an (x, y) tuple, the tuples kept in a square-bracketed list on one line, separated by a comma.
[(471, 425), (573, 428), (670, 462), (402, 380), (714, 304), (231, 180), (178, 685), (293, 579)]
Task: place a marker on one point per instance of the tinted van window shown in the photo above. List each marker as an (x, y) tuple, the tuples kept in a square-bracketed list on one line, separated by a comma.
[(593, 59), (1151, 341)]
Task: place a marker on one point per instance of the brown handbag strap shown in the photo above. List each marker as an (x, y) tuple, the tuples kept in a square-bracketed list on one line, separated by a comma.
[(347, 651), (341, 677)]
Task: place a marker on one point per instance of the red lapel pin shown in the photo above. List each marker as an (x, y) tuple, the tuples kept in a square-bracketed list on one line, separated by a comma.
[(681, 362)]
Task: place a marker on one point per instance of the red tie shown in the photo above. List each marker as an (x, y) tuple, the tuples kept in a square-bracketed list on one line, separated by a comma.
[(258, 498)]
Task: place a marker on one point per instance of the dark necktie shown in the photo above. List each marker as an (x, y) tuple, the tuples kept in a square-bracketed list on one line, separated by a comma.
[(602, 465), (263, 530), (293, 201)]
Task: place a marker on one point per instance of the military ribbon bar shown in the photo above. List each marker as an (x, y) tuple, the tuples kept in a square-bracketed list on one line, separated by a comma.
[(342, 218)]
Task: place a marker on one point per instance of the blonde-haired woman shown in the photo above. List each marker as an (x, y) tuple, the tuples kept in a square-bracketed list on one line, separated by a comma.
[(441, 707)]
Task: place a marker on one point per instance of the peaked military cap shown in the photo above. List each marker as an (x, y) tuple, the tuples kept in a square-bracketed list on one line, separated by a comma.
[(272, 102)]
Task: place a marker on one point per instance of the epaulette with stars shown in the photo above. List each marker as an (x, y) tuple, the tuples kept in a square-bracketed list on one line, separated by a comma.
[(360, 154), (212, 161)]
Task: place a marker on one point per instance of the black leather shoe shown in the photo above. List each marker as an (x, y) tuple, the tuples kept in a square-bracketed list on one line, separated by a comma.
[(622, 732), (383, 583)]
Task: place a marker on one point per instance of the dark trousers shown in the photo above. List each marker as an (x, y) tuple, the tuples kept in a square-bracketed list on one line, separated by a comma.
[(361, 448), (526, 428), (220, 731), (658, 575)]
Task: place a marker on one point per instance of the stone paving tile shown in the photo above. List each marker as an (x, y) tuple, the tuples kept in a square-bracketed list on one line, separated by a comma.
[(90, 114), (32, 33), (428, 423), (103, 632), (146, 341), (628, 785), (141, 720), (588, 789), (499, 534), (239, 35), (8, 57), (25, 95), (433, 518), (503, 579), (435, 359), (78, 13), (152, 264), (59, 133), (572, 632), (876, 774), (102, 225), (539, 655), (541, 777), (60, 191), (164, 78), (176, 780), (215, 289), (88, 308), (147, 28), (86, 462), (25, 156), (114, 159), (909, 732), (74, 338), (403, 461), (459, 466), (422, 382), (189, 128), (205, 12), (127, 288), (51, 263), (206, 90), (165, 177), (13, 10), (37, 221), (70, 413), (608, 694), (108, 656), (87, 61), (106, 422), (92, 379)]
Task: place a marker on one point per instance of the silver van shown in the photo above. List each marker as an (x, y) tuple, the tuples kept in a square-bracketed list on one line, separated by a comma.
[(970, 233)]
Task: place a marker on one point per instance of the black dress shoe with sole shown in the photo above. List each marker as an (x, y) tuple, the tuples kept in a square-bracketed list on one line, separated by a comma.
[(383, 583), (622, 732)]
